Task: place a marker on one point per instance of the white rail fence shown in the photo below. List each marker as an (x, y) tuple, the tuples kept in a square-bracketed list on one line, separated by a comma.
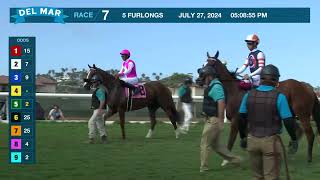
[(4, 95)]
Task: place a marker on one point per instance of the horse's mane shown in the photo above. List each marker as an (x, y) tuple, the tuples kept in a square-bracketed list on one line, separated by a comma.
[(233, 74), (105, 73)]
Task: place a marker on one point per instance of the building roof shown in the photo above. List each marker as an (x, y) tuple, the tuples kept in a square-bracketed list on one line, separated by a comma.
[(4, 80), (44, 80), (41, 81)]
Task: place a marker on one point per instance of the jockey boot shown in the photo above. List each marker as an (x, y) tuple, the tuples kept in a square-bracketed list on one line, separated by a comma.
[(132, 88)]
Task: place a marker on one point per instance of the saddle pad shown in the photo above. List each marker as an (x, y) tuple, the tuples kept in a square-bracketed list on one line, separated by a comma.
[(141, 95)]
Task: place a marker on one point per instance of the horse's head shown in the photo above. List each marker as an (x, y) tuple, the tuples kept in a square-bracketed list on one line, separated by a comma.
[(93, 70), (220, 68)]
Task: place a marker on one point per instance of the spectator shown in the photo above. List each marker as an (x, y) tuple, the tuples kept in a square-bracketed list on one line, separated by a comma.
[(55, 113)]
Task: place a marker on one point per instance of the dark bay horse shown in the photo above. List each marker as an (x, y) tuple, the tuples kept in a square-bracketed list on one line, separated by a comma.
[(302, 100), (158, 96)]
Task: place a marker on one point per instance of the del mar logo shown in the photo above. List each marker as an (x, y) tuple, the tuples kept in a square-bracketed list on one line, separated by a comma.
[(23, 13)]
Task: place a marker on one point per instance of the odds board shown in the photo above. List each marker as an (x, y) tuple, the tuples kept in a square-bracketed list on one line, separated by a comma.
[(22, 56)]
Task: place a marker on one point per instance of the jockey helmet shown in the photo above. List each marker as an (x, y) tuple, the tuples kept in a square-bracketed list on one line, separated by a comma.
[(125, 52), (253, 38)]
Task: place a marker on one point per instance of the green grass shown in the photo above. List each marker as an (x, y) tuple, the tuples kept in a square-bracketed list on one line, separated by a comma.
[(62, 154)]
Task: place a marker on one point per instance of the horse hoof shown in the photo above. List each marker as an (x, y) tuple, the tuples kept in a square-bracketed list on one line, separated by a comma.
[(177, 133), (183, 131), (149, 135), (224, 163)]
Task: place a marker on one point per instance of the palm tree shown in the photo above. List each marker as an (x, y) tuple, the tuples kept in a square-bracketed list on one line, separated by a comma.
[(147, 79), (157, 76)]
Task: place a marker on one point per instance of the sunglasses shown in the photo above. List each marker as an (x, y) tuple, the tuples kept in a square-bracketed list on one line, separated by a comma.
[(250, 43)]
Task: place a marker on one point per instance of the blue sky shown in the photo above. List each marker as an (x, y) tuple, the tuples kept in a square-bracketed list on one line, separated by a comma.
[(168, 48)]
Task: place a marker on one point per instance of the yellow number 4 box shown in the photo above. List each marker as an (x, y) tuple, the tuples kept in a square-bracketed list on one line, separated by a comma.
[(15, 90)]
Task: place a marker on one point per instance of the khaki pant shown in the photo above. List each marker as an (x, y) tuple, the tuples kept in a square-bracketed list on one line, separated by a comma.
[(96, 123), (211, 140), (265, 156)]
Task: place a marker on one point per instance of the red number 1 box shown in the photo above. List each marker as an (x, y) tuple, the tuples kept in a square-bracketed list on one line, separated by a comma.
[(15, 50)]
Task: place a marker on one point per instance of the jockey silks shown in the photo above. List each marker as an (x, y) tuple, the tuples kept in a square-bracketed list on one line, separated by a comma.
[(253, 61), (128, 69)]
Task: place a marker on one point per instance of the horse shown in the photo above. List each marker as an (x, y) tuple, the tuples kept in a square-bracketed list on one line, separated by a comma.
[(157, 96), (301, 98)]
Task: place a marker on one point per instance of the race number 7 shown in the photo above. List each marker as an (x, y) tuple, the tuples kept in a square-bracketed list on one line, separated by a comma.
[(106, 12)]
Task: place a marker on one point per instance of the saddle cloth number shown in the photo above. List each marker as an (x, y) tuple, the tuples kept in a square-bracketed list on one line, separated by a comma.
[(142, 90)]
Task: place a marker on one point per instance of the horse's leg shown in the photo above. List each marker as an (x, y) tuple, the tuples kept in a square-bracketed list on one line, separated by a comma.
[(122, 121), (173, 116), (233, 132), (153, 122), (305, 120), (299, 130), (108, 114)]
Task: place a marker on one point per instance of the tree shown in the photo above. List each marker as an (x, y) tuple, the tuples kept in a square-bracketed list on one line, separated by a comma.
[(174, 80), (143, 75), (157, 76)]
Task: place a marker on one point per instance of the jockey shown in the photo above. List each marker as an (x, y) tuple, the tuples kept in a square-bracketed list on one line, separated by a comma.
[(128, 73), (255, 60)]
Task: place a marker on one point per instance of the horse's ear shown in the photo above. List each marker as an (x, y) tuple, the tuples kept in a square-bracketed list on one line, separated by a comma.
[(89, 66), (208, 55), (217, 55), (94, 66)]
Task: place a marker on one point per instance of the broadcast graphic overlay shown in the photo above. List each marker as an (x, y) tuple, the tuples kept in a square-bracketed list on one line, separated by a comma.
[(22, 99), (159, 15)]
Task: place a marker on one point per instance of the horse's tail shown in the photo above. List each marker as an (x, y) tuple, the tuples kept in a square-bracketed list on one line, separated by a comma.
[(316, 113)]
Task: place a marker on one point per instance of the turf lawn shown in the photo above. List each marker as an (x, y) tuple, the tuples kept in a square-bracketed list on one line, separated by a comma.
[(62, 154)]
